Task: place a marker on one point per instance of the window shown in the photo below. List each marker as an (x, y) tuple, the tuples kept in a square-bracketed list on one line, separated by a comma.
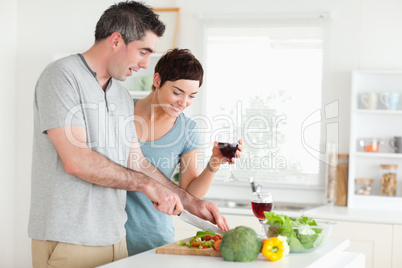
[(264, 78)]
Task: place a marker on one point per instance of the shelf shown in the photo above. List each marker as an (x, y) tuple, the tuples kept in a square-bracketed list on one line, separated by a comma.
[(380, 123), (377, 202), (384, 112), (378, 197), (378, 155)]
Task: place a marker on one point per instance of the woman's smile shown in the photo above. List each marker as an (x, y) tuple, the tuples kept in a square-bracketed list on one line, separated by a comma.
[(178, 110)]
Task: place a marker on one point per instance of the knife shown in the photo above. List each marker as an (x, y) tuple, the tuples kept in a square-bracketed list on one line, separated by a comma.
[(200, 223)]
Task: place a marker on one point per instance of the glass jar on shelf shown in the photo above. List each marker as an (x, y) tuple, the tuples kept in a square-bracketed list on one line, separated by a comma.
[(363, 186), (388, 180)]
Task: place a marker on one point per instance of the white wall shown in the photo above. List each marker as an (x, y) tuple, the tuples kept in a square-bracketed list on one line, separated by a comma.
[(364, 34), (8, 44)]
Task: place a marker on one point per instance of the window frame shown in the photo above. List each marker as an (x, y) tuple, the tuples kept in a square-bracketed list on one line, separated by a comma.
[(228, 19)]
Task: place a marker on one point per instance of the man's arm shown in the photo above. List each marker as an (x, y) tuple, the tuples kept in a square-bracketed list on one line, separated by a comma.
[(88, 165), (201, 208)]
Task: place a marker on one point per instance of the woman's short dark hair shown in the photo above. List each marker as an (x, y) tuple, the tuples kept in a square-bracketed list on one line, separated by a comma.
[(131, 19), (179, 64)]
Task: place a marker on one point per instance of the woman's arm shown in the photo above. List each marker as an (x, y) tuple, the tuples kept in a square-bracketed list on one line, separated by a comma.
[(190, 178)]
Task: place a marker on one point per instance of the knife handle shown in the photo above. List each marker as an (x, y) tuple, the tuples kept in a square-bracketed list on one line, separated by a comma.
[(177, 214)]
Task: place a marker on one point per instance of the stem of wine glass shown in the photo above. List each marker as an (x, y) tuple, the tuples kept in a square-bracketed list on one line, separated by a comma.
[(232, 176), (262, 231)]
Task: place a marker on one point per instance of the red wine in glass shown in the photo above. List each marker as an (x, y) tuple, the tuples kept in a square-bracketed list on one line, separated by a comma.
[(228, 150), (260, 202), (259, 208)]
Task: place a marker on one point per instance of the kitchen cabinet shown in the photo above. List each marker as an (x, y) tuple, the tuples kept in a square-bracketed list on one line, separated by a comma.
[(375, 232), (381, 123), (142, 79), (397, 246), (373, 240)]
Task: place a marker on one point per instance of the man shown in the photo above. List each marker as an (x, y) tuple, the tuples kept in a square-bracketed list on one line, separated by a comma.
[(84, 136)]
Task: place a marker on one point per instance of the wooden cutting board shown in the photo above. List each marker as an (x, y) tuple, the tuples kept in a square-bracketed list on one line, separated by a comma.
[(174, 248)]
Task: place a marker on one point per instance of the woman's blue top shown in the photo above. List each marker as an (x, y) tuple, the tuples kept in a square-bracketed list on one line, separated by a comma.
[(147, 227)]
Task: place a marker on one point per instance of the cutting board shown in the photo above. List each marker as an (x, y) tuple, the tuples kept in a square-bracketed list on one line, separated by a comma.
[(174, 248)]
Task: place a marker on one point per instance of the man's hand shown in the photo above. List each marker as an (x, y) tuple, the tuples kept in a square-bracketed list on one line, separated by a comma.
[(163, 199), (208, 211)]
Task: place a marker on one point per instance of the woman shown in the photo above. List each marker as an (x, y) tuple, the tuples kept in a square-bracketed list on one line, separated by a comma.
[(167, 137)]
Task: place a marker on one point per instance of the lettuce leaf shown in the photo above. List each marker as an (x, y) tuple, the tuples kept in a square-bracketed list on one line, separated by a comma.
[(299, 239)]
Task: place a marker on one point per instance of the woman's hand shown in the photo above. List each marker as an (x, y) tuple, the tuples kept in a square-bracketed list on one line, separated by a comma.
[(217, 158)]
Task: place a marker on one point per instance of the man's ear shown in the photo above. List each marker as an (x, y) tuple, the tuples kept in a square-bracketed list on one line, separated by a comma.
[(115, 39)]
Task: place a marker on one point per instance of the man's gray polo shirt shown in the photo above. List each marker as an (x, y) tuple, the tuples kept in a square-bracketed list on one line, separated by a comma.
[(66, 208)]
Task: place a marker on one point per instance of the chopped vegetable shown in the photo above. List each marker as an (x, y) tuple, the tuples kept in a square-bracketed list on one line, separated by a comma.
[(207, 237), (208, 243), (217, 237), (216, 244), (195, 242), (202, 234), (203, 239)]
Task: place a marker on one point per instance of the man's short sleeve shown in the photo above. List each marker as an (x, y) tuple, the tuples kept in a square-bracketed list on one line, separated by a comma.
[(57, 99)]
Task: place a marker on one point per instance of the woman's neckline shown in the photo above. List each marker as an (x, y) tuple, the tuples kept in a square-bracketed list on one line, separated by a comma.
[(167, 133)]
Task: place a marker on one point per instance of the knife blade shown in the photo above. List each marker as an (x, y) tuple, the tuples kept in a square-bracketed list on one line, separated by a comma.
[(199, 223)]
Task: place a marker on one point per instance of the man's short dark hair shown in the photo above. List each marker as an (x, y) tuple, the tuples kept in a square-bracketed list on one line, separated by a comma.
[(131, 19)]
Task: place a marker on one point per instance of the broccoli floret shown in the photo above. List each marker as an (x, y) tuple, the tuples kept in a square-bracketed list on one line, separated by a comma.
[(240, 244)]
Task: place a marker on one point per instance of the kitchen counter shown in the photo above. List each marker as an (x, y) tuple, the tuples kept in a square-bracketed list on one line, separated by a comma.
[(384, 216), (333, 212), (354, 224), (330, 255)]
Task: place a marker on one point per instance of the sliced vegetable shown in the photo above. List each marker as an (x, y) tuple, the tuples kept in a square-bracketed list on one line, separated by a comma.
[(216, 244), (203, 239), (195, 242), (202, 234), (217, 237), (207, 237), (208, 244)]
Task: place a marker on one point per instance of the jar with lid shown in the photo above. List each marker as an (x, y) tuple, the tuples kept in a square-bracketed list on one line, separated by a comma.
[(363, 186), (388, 179)]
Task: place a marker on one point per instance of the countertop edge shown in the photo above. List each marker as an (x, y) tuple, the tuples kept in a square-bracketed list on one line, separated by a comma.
[(333, 212)]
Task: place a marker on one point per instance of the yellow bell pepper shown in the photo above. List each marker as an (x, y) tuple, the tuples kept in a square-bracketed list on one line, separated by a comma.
[(274, 248)]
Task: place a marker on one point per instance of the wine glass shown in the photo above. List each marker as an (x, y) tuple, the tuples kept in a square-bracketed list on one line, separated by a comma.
[(260, 202), (228, 150)]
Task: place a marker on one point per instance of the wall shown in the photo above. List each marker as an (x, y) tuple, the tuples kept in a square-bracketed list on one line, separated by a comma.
[(363, 35), (8, 44)]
